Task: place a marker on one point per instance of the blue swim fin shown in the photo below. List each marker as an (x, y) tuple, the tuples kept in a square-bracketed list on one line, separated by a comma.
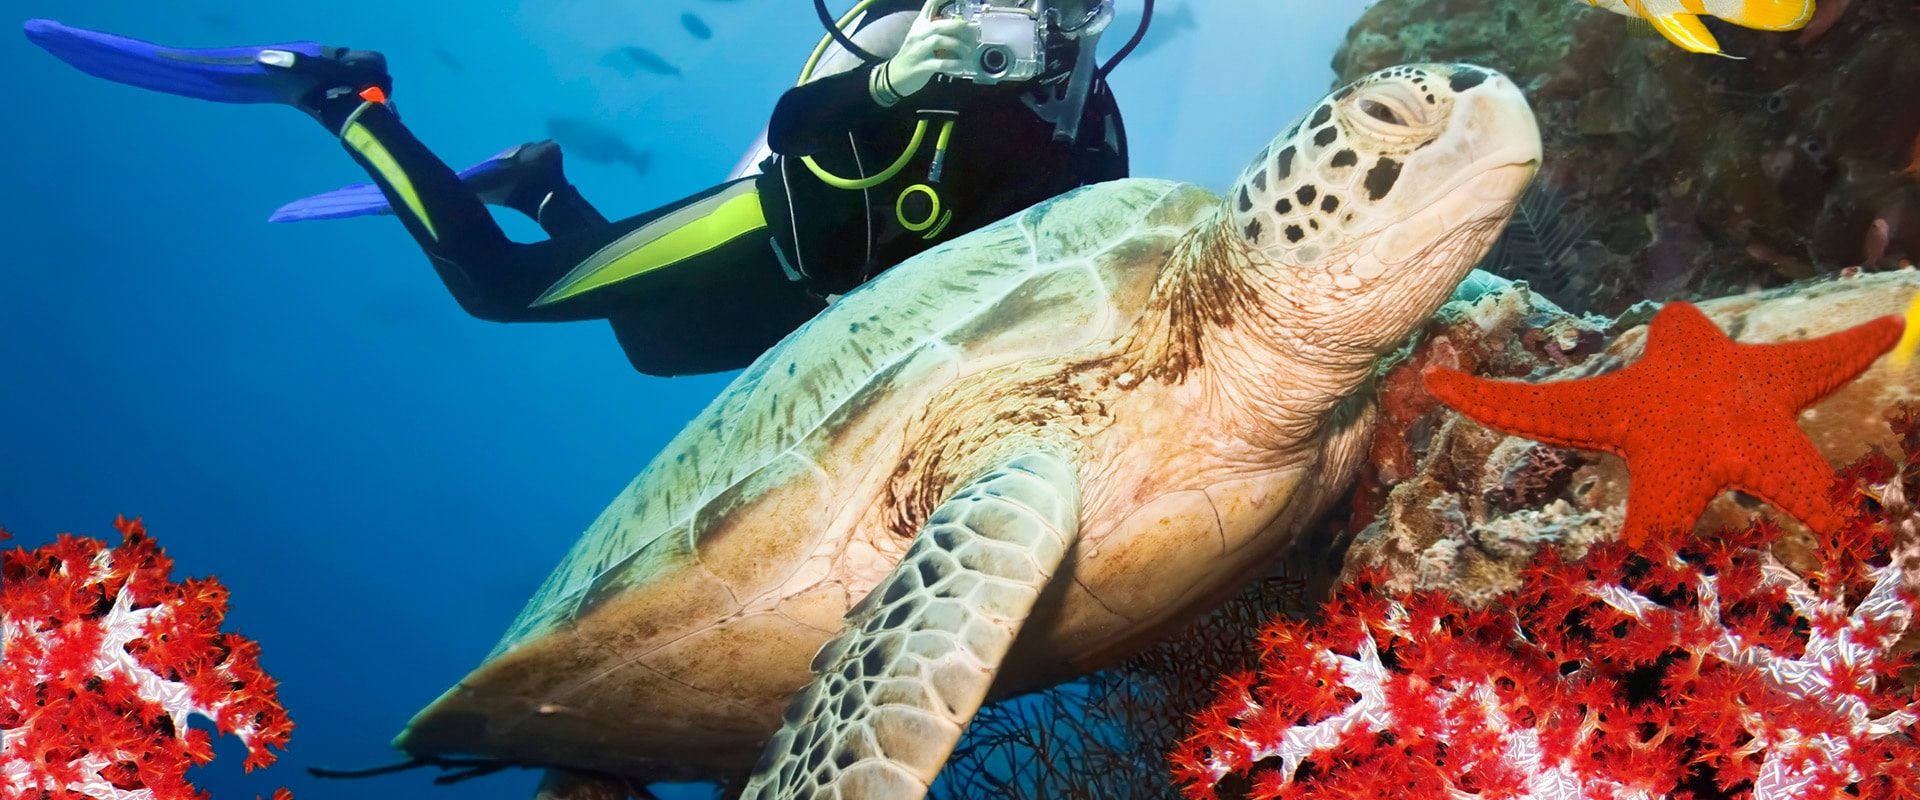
[(493, 179), (224, 75), (346, 202)]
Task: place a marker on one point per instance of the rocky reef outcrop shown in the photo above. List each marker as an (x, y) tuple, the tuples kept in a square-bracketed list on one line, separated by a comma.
[(1670, 175)]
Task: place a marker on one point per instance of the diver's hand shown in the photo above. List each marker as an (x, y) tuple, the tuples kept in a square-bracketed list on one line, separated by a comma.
[(934, 46)]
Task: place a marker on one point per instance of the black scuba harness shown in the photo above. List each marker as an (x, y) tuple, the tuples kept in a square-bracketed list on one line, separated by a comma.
[(933, 221)]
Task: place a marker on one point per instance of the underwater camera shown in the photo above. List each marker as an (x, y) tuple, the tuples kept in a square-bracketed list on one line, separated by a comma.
[(1010, 41)]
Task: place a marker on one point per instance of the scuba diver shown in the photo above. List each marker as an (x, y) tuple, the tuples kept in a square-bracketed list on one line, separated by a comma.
[(1006, 90)]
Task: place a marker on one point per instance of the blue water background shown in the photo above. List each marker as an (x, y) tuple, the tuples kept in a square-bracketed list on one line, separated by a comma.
[(301, 410)]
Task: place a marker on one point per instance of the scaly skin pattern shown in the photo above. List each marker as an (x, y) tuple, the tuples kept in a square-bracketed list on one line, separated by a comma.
[(1697, 415), (1199, 363)]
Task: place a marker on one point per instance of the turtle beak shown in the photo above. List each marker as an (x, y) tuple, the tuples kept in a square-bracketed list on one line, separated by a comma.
[(1493, 110)]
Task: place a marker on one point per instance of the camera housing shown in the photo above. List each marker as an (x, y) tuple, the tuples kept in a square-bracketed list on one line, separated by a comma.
[(1011, 48)]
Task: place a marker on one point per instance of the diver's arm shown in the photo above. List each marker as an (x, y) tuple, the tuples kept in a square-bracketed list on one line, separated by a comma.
[(818, 114), (814, 116)]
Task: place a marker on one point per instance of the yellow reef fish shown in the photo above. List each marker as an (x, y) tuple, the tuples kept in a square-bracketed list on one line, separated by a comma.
[(1679, 20), (1910, 338)]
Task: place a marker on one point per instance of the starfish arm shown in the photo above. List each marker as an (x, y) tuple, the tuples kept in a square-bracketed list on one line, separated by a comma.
[(1806, 371), (1578, 413), (1789, 474), (1679, 321), (1664, 492)]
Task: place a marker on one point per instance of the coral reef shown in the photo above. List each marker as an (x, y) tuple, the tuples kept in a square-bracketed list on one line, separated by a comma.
[(1449, 504), (105, 660), (1695, 667), (1694, 176)]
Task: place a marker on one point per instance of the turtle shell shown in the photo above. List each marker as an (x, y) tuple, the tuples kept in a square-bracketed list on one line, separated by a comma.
[(671, 633)]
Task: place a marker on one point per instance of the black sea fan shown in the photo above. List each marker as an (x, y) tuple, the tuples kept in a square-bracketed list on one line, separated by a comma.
[(1106, 736), (1537, 246)]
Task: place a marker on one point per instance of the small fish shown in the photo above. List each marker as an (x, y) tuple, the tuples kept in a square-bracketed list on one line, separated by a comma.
[(696, 26), (446, 57), (628, 59), (1910, 338), (597, 143), (1874, 247), (220, 21), (1830, 12), (1679, 20)]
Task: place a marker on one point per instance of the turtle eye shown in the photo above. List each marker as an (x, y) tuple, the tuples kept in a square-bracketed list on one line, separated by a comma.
[(1391, 109), (1380, 111)]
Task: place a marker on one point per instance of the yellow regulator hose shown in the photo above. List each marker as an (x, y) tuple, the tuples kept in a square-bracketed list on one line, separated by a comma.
[(913, 145)]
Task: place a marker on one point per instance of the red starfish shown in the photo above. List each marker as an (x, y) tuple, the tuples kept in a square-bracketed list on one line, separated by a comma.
[(1697, 414)]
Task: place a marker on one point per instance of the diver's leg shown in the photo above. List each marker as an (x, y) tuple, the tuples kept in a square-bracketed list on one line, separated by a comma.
[(445, 217), (529, 178), (564, 211), (346, 91), (536, 185), (724, 315), (713, 313), (692, 287)]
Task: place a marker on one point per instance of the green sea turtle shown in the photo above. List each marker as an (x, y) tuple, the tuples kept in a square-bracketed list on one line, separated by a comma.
[(1009, 461)]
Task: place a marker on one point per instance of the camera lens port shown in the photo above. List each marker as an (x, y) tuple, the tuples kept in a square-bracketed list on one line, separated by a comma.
[(995, 60)]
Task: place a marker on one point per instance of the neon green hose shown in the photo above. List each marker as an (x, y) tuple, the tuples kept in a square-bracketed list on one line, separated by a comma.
[(913, 149), (946, 135), (913, 145)]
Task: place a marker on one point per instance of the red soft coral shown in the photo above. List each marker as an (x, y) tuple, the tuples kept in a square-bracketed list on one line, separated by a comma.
[(105, 659), (1690, 668)]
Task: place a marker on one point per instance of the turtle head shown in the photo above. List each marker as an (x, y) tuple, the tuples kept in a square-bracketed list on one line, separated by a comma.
[(1366, 214)]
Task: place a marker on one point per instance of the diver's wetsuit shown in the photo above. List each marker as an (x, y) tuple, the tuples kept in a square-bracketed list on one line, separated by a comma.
[(1003, 158), (712, 281)]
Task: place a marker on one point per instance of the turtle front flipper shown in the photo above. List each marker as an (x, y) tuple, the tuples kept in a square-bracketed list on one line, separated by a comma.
[(892, 693)]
